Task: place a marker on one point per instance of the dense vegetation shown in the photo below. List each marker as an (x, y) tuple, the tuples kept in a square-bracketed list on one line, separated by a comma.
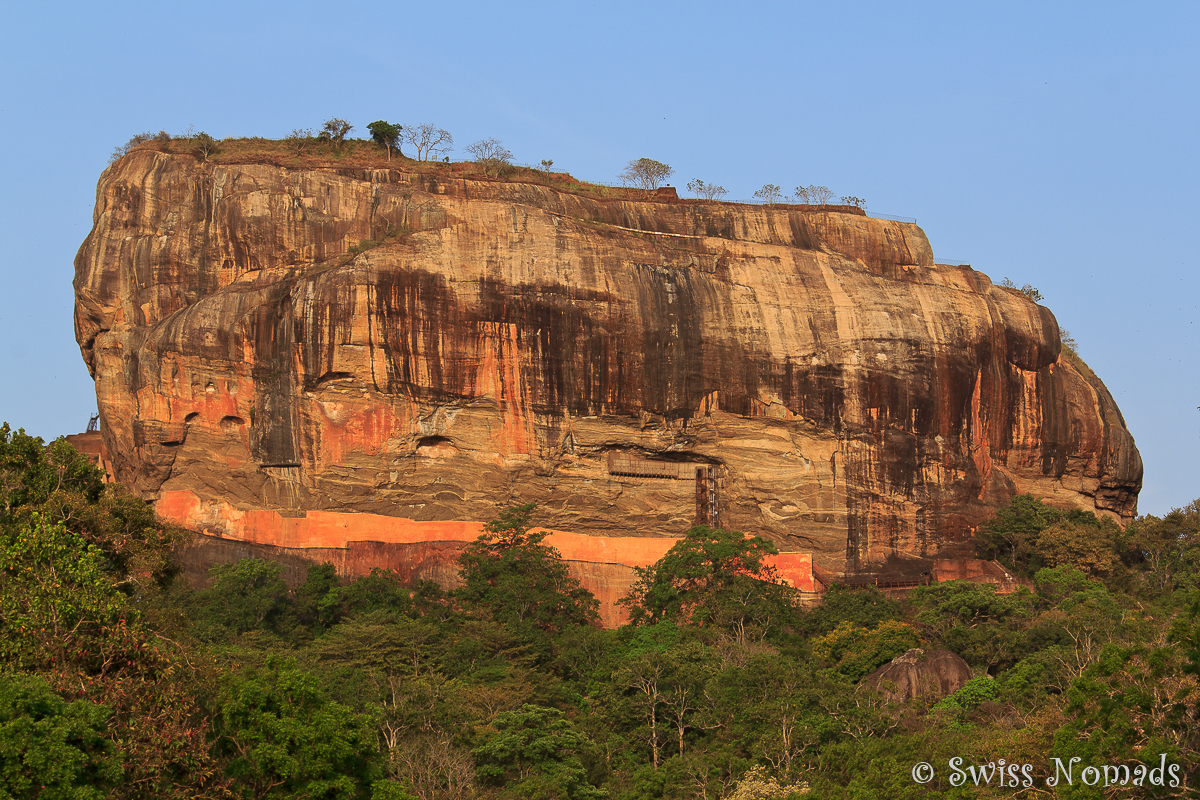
[(119, 681)]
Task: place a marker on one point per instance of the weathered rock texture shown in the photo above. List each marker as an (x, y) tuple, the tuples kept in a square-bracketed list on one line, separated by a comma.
[(920, 673), (356, 543), (809, 376)]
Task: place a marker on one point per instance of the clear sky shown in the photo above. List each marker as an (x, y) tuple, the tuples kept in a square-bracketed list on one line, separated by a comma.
[(1051, 143)]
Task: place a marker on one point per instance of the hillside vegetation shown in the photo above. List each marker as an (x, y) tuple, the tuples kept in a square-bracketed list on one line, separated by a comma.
[(119, 681), (314, 152)]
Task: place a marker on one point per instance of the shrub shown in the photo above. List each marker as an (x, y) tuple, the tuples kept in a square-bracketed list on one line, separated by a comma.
[(1029, 291), (298, 139), (205, 145), (134, 141), (335, 130)]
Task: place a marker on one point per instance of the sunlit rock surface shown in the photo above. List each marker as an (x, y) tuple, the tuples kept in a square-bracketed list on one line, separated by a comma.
[(632, 367)]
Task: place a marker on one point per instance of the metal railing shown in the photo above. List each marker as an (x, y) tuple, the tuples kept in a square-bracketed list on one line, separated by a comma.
[(885, 583), (913, 220)]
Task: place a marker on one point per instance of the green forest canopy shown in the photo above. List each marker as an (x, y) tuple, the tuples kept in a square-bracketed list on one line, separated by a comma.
[(120, 681)]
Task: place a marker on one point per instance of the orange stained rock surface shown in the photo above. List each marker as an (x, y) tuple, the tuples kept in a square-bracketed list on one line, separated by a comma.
[(319, 530)]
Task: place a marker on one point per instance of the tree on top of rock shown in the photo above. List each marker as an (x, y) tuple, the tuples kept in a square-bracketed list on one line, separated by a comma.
[(646, 173), (386, 134), (335, 130), (429, 140)]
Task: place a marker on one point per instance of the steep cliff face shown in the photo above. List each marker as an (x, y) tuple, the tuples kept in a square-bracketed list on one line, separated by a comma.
[(631, 366)]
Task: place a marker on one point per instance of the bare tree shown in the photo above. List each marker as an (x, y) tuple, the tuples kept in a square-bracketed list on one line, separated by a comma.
[(814, 195), (646, 173), (491, 154), (335, 130), (205, 145), (648, 676), (769, 194), (428, 140), (298, 139), (435, 767), (709, 191)]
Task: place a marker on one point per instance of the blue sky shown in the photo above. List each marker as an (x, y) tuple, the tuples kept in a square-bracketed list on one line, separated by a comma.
[(1055, 144)]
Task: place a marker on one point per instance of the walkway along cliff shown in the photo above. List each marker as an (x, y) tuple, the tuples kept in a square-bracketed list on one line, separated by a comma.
[(312, 358)]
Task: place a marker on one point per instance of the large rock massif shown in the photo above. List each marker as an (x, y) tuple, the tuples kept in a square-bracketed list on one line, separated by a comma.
[(808, 375)]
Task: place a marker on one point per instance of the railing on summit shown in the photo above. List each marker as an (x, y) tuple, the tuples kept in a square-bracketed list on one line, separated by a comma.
[(884, 583), (894, 218)]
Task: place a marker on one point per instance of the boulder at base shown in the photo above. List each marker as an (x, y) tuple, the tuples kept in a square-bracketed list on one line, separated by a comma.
[(920, 673)]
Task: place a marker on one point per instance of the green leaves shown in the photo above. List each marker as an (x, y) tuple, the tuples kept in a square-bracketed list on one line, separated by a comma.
[(385, 133), (534, 751), (1029, 535), (865, 607), (713, 576), (246, 595), (509, 575), (284, 739), (30, 472), (856, 651), (50, 748), (54, 589)]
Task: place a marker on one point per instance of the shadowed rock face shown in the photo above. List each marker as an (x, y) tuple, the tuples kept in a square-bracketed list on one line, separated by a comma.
[(836, 390)]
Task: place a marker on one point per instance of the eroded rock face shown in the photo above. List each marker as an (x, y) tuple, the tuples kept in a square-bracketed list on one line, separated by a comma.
[(809, 376), (920, 673)]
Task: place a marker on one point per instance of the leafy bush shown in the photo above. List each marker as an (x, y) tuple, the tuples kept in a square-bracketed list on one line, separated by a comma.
[(282, 736), (205, 145), (534, 751), (856, 651), (335, 130), (977, 691), (134, 141), (51, 748), (714, 577), (866, 607), (1029, 291), (515, 579)]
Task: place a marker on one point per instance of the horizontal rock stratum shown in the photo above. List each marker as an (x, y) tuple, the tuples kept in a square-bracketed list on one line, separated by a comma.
[(434, 347)]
